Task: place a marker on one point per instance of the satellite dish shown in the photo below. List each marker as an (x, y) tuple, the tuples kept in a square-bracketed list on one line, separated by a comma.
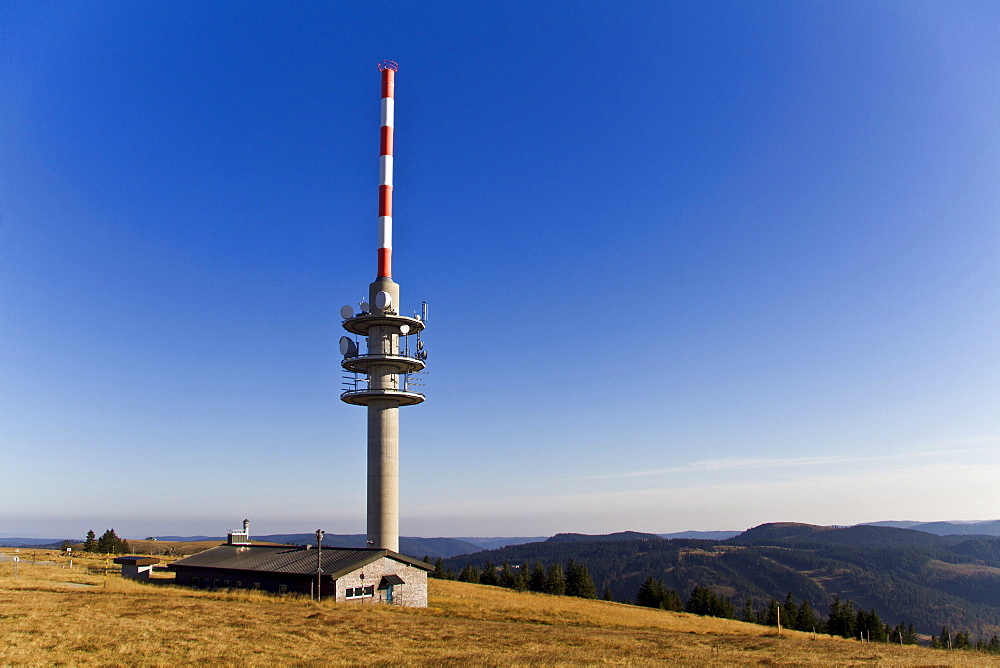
[(404, 329), (420, 345), (348, 348), (422, 355), (383, 300), (364, 307), (346, 312)]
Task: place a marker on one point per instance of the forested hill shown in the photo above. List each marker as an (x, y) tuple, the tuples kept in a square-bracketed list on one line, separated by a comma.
[(906, 576)]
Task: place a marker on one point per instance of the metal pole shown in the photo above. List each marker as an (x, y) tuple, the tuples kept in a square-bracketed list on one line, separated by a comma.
[(319, 564)]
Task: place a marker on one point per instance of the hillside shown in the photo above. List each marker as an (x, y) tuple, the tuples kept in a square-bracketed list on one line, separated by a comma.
[(52, 615), (906, 576)]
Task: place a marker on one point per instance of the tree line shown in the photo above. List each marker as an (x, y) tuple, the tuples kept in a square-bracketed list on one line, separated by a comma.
[(574, 580), (844, 620), (963, 641), (108, 543)]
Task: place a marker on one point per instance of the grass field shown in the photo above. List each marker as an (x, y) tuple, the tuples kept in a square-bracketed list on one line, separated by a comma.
[(51, 615)]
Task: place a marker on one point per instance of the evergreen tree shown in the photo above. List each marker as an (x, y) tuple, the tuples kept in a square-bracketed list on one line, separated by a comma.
[(123, 547), (556, 583), (607, 594), (841, 619), (700, 601), (749, 614), (790, 613), (807, 619), (90, 545), (578, 582), (109, 542), (773, 614), (723, 607), (962, 640), (489, 575), (469, 574), (650, 593), (994, 645), (672, 600), (506, 576), (538, 578), (944, 639), (521, 579)]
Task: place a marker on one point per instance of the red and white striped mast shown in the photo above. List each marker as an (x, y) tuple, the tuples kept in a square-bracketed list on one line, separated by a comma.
[(383, 327), (388, 69)]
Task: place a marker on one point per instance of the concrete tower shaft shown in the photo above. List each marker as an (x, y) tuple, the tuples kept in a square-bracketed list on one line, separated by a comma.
[(384, 361)]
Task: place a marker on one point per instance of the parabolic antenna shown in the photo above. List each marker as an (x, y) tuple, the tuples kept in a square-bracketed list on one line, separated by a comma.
[(383, 300), (404, 329), (346, 312), (364, 307), (348, 348)]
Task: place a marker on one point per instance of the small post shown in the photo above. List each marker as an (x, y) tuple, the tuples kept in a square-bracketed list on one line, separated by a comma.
[(16, 559), (319, 564), (779, 619), (69, 553)]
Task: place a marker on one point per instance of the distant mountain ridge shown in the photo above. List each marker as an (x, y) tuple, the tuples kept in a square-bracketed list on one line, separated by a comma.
[(979, 528), (905, 575)]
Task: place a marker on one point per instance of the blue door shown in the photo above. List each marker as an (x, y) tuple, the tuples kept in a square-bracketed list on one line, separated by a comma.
[(388, 594)]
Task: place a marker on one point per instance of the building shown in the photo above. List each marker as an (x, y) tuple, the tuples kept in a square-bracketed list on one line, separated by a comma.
[(135, 567), (347, 574)]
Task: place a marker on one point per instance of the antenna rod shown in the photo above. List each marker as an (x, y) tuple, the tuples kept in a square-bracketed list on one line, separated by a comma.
[(388, 69)]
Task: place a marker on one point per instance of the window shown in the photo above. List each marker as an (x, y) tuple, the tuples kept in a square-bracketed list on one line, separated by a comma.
[(256, 585), (215, 584), (225, 583), (282, 589), (359, 592), (239, 584)]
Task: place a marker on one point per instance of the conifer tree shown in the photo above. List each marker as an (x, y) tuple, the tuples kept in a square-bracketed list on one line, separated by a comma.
[(578, 582), (749, 614), (538, 578), (807, 619), (521, 579), (650, 594), (90, 544), (469, 574), (701, 601), (506, 576), (607, 593), (773, 614), (489, 575), (841, 619), (671, 600), (790, 613), (556, 583)]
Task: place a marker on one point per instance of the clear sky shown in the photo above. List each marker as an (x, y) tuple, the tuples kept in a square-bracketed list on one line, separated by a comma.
[(690, 265)]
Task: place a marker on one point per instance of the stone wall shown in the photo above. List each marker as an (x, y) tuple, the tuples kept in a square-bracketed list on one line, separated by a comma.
[(412, 594)]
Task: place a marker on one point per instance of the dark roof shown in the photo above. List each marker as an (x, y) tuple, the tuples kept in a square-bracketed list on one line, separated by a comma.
[(295, 559), (137, 561), (391, 579)]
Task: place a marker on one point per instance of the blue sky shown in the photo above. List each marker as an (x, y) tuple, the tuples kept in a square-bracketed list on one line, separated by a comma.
[(689, 265)]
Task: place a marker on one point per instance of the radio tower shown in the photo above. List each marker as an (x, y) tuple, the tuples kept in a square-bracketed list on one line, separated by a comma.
[(380, 377)]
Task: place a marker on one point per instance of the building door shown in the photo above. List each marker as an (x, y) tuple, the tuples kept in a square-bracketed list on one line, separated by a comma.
[(388, 593)]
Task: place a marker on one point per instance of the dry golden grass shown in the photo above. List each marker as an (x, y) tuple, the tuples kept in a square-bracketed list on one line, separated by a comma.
[(50, 615)]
